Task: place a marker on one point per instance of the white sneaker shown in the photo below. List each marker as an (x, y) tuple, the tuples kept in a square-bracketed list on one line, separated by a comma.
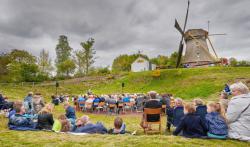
[(134, 133)]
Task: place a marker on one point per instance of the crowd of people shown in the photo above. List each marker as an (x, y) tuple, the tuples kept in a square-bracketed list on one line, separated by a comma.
[(221, 119), (114, 103)]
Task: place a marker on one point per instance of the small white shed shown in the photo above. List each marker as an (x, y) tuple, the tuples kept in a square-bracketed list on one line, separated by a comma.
[(142, 64)]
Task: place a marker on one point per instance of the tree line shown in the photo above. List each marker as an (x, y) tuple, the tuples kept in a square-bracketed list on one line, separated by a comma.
[(22, 66), (123, 62)]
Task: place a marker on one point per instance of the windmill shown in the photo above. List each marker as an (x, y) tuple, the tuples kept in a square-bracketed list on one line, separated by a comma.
[(197, 52)]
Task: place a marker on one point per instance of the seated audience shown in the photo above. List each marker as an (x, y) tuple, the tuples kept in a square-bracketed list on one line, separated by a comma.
[(61, 124), (191, 125), (216, 121), (90, 99), (139, 103), (1, 99), (96, 101), (45, 118), (227, 89), (164, 98), (120, 105), (61, 98), (119, 127), (38, 103), (102, 99), (70, 112), (224, 100), (55, 100), (80, 103), (170, 112), (18, 121), (238, 112), (2, 102), (126, 99), (5, 105), (153, 103), (81, 99), (16, 105), (178, 111), (201, 109), (28, 103), (111, 100)]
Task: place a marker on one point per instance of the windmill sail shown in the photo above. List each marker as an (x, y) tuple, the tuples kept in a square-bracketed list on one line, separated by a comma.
[(177, 26)]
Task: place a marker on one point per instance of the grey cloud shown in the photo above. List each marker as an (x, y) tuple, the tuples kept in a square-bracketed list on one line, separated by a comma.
[(122, 26)]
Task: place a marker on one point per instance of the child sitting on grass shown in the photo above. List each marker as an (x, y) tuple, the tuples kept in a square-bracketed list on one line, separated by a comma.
[(191, 125), (61, 124), (201, 108), (216, 121), (119, 127)]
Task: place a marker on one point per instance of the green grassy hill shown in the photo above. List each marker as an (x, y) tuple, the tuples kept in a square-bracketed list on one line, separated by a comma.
[(184, 83)]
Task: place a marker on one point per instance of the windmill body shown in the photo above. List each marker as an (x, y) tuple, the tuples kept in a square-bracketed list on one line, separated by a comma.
[(197, 52)]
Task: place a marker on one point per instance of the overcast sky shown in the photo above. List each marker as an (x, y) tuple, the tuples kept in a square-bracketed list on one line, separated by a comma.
[(122, 26)]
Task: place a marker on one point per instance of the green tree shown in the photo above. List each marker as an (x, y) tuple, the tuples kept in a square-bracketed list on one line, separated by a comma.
[(173, 59), (22, 66), (233, 62), (21, 56), (87, 54), (80, 62), (44, 63), (14, 69), (4, 61), (68, 67), (160, 60), (63, 53), (29, 72), (243, 63), (99, 70)]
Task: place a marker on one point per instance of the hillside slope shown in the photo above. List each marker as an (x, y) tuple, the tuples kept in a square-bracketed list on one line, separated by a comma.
[(185, 83)]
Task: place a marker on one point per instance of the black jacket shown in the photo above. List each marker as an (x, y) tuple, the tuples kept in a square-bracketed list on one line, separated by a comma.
[(45, 121), (153, 104), (191, 126)]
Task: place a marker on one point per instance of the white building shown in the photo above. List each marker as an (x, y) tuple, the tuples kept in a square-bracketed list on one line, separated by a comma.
[(142, 64)]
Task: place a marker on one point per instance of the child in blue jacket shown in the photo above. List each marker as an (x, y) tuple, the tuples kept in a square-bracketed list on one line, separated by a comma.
[(216, 122)]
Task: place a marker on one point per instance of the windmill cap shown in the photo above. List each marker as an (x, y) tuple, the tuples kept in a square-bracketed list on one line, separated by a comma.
[(195, 33)]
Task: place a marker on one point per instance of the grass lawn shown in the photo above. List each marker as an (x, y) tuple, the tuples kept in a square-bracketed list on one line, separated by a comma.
[(41, 138), (186, 83)]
